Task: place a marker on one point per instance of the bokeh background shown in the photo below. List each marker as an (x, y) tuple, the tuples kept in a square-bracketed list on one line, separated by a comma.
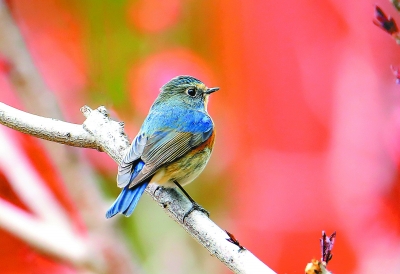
[(307, 119)]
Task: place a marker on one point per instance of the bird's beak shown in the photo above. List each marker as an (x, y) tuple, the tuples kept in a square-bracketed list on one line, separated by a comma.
[(211, 90)]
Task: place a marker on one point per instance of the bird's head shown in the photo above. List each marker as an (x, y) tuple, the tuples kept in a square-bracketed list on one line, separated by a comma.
[(187, 91)]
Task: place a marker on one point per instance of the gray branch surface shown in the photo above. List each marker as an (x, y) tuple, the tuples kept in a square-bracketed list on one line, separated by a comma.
[(102, 133), (46, 128)]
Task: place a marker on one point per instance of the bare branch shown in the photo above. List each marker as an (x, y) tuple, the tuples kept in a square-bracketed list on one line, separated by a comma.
[(206, 232), (110, 137), (46, 128)]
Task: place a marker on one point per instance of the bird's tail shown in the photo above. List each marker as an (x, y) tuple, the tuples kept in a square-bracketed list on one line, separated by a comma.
[(127, 200), (129, 197)]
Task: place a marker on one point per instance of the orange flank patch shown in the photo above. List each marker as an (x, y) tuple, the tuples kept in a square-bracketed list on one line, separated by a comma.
[(209, 143)]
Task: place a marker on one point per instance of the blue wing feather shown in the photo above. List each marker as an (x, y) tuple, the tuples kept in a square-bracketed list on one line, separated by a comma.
[(130, 160)]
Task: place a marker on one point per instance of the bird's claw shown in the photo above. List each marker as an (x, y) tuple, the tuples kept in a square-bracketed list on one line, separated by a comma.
[(196, 206), (157, 188)]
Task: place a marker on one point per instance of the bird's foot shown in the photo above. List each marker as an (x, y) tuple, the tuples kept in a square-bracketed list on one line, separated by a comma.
[(157, 188), (196, 206)]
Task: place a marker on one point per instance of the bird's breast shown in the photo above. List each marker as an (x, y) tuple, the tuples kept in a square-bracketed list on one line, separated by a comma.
[(185, 169)]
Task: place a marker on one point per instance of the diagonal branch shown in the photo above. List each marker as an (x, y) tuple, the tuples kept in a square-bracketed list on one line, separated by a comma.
[(109, 137)]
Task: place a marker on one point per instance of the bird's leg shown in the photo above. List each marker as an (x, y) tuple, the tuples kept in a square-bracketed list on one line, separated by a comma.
[(195, 206)]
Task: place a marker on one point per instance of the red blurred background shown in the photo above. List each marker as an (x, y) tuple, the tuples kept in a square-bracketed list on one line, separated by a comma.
[(307, 119)]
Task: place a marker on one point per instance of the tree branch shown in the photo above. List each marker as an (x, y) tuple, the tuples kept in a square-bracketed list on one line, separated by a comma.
[(109, 137), (46, 128)]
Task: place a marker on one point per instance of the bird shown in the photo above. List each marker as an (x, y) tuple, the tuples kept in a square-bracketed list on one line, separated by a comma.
[(173, 145)]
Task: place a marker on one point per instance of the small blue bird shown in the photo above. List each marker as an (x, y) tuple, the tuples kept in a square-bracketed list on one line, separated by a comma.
[(173, 145)]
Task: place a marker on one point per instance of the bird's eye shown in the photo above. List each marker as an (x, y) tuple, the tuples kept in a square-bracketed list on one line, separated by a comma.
[(191, 92)]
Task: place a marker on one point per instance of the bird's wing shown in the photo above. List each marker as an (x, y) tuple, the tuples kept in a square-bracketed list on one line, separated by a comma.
[(155, 148), (128, 163), (166, 146)]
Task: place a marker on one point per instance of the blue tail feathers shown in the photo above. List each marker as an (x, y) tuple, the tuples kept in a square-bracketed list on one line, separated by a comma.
[(127, 200), (129, 197)]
